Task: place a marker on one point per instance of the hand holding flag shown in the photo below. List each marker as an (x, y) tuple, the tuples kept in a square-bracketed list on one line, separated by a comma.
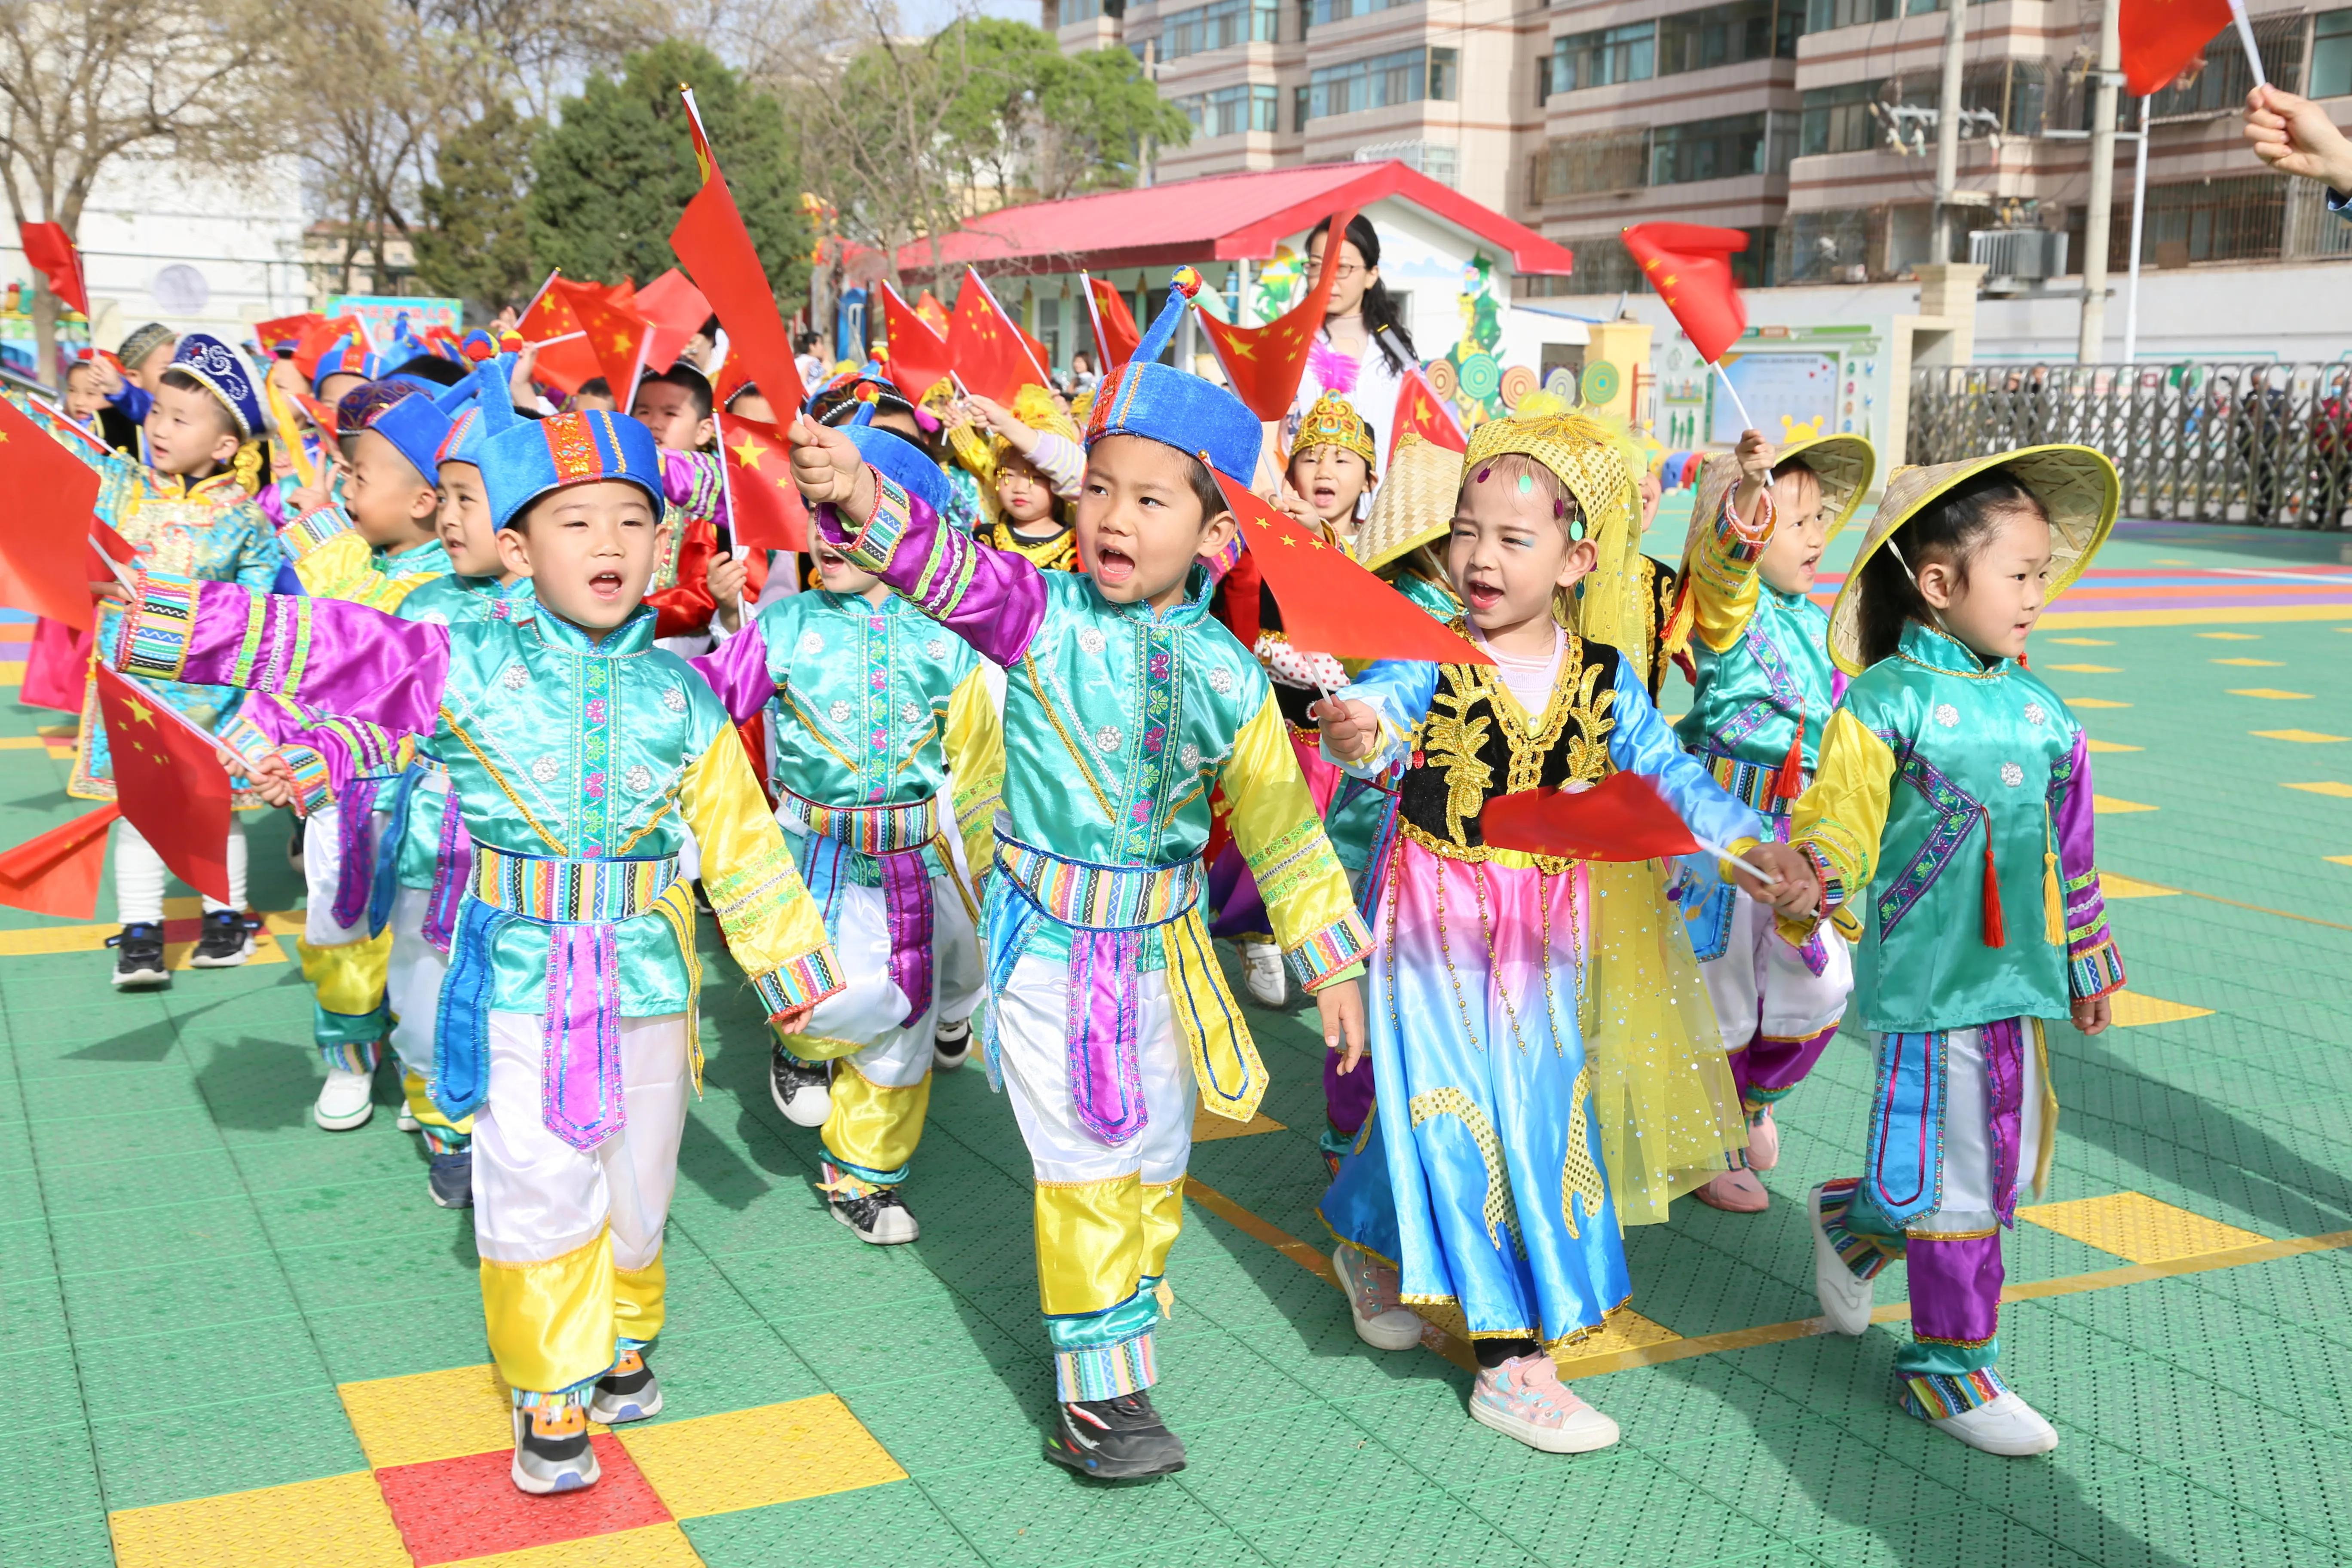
[(764, 510)]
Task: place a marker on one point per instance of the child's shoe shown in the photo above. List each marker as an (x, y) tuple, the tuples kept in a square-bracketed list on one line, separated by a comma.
[(450, 1178), (1524, 1398), (347, 1099), (1264, 974), (801, 1090), (224, 943), (2006, 1425), (139, 957), (877, 1214), (405, 1120), (951, 1045), (1734, 1192), (1845, 1300), (1763, 1140), (1118, 1439), (627, 1393), (552, 1453), (1381, 1321)]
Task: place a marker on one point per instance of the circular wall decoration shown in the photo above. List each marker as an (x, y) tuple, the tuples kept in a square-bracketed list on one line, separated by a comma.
[(1480, 377), (1561, 384), (1601, 381), (180, 290), (1518, 381), (1443, 380)]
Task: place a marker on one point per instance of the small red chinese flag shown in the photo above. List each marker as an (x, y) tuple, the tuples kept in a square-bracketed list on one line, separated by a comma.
[(2162, 36), (677, 310), (934, 314), (1689, 265), (57, 873), (1623, 817), (714, 247), (766, 510), (1328, 603), (169, 782), (1116, 333), (566, 362), (1421, 411), (918, 358), (617, 335), (316, 339), (286, 330), (1263, 364), (48, 250), (993, 355), (46, 493)]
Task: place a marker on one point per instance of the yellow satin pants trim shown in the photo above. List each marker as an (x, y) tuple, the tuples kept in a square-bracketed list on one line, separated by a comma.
[(348, 979), (1090, 1244), (873, 1124), (1163, 1216), (551, 1324), (637, 1295), (421, 1106)]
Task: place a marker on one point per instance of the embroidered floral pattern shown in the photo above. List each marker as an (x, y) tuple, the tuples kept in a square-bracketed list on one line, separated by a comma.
[(545, 769), (937, 648), (2036, 714), (1091, 640), (839, 712), (1946, 715), (673, 699), (911, 713), (1188, 756), (1108, 739), (639, 778), (1221, 681), (2012, 775), (810, 645), (516, 677)]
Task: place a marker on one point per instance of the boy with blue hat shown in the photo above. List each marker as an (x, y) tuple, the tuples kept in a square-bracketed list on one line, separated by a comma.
[(1126, 707), (580, 755)]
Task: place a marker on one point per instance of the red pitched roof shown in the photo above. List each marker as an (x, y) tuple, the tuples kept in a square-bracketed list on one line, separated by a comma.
[(1221, 217)]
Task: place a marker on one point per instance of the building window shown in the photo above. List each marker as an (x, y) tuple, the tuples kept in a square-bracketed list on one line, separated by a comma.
[(1230, 110), (2223, 84), (1079, 11), (1726, 34), (1219, 25), (1407, 76), (2331, 55), (1839, 118), (1820, 15), (1717, 149), (1321, 13), (1599, 60), (1299, 109), (1589, 165), (2238, 218)]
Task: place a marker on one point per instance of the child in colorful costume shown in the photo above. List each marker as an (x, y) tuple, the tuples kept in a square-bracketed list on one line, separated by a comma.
[(1950, 827), (1127, 706), (675, 406), (876, 707), (1036, 463), (580, 755), (1481, 1178), (1764, 689)]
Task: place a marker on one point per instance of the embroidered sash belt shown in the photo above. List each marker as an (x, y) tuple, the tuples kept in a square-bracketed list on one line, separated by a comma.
[(869, 829), (893, 837)]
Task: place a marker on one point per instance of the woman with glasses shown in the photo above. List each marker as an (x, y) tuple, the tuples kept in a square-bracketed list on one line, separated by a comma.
[(1363, 351)]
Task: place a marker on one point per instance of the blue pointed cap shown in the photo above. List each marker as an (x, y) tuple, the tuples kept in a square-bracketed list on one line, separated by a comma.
[(537, 456), (479, 408), (1161, 403)]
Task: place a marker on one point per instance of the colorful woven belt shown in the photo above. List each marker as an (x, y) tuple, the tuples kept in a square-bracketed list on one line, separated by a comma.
[(1751, 784), (570, 892), (869, 830), (1099, 898)]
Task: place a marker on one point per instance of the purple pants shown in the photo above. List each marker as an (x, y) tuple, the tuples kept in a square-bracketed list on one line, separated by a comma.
[(1765, 1069), (1347, 1099)]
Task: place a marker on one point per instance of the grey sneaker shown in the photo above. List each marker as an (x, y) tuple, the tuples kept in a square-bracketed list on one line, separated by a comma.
[(552, 1453), (451, 1181), (627, 1393), (139, 957)]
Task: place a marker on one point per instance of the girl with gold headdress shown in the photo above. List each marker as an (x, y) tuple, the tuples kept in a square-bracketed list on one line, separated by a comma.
[(1482, 1179), (1033, 463)]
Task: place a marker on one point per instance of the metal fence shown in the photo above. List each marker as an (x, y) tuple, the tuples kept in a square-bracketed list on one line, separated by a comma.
[(2263, 444)]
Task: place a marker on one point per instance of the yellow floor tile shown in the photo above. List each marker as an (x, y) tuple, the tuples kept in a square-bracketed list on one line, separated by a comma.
[(654, 1546), (1208, 1128), (2304, 737), (2165, 560), (12, 673), (22, 744), (2083, 642), (2115, 887), (2270, 694), (341, 1519), (1624, 1331), (750, 1458), (2252, 663), (2093, 702), (2132, 1010), (2338, 860), (2325, 787), (2086, 669), (2098, 745), (2229, 636), (2137, 1227), (430, 1416), (2108, 806)]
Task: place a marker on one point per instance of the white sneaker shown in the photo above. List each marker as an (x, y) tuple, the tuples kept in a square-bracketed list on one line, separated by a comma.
[(404, 1121), (346, 1102), (951, 1045), (1381, 1321), (801, 1090), (1845, 1300), (1264, 974), (2008, 1425)]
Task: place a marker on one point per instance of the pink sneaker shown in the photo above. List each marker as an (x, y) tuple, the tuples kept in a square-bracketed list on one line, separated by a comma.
[(1372, 1287), (1524, 1398), (1735, 1192), (1763, 1140)]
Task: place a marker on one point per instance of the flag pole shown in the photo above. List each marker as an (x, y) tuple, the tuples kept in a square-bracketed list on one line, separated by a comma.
[(2246, 37), (1746, 422)]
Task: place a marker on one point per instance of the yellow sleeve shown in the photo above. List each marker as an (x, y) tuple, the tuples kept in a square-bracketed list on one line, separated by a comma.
[(1839, 821), (1280, 834), (975, 748), (773, 928), (1723, 571), (331, 568)]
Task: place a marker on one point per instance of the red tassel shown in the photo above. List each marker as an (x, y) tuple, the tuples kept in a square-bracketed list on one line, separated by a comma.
[(1995, 933), (1791, 784)]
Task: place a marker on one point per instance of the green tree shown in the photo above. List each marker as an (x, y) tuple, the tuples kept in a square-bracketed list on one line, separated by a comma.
[(476, 242), (610, 178)]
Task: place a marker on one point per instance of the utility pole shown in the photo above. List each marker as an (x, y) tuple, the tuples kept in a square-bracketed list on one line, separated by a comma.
[(1947, 124), (1151, 74), (2139, 210), (2100, 214)]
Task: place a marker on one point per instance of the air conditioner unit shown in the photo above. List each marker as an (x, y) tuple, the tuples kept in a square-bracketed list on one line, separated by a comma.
[(2014, 258)]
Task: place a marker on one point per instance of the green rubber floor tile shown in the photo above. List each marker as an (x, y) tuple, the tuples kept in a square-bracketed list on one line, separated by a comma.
[(1962, 1536), (80, 1541), (1030, 1514), (221, 1230), (33, 1305), (2094, 1501), (26, 1247), (49, 1476), (2303, 1378), (1616, 1515), (2312, 1291), (2277, 1475), (392, 1339), (140, 1303), (1689, 1404), (991, 1422), (1212, 1549), (1416, 1530), (204, 1177), (1335, 1468), (1808, 1477), (156, 1132), (710, 1371), (855, 1351), (159, 1372), (48, 1384), (234, 1445), (895, 1524)]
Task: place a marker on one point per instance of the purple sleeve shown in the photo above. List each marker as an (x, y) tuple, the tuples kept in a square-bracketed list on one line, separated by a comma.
[(993, 599), (737, 670), (329, 655), (2093, 967)]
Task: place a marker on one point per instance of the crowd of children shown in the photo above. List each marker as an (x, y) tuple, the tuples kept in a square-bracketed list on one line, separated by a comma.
[(1023, 736)]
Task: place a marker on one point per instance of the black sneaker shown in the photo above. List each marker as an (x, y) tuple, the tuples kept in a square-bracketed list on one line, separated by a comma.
[(226, 942), (951, 1045), (801, 1090), (139, 957), (1117, 1439), (450, 1179), (878, 1216), (294, 847), (627, 1393), (552, 1453)]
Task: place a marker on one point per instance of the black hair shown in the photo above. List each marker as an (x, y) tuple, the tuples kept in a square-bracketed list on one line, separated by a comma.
[(430, 367), (684, 376), (1951, 528), (1380, 318), (594, 386), (806, 342), (88, 364), (1204, 489), (180, 381), (709, 329)]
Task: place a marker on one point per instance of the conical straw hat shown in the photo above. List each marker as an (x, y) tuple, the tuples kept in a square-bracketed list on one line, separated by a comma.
[(1413, 506), (2076, 487), (1843, 464)]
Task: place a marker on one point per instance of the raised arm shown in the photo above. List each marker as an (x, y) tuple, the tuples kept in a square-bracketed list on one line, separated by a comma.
[(1721, 582), (1280, 834), (329, 554), (1640, 742), (2093, 967), (774, 930), (993, 599)]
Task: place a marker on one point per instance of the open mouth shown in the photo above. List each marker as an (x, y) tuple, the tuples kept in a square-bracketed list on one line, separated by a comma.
[(1482, 595), (605, 585), (1326, 496), (1113, 564)]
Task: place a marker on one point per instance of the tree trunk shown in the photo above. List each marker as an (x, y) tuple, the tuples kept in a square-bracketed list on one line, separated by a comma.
[(45, 335)]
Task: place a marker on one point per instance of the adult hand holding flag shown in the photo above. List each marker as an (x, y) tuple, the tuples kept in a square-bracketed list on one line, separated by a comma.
[(713, 245), (50, 250), (1689, 265), (1263, 364), (169, 782)]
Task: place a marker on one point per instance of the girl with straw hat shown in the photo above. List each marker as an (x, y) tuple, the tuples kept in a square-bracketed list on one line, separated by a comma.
[(1950, 827), (1764, 688)]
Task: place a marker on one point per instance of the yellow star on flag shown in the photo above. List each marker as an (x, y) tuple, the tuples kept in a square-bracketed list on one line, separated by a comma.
[(750, 453), (140, 712)]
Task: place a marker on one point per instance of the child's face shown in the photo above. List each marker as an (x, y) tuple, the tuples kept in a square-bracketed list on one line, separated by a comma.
[(2008, 582), (1800, 532), (1027, 498), (188, 432), (287, 381), (391, 505), (83, 399), (1332, 478), (149, 372), (1509, 552), (331, 390), (1139, 525), (589, 551), (669, 412), (835, 571), (463, 522)]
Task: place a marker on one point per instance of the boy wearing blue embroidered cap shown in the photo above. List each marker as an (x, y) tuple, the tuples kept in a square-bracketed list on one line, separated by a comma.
[(1126, 707), (580, 756)]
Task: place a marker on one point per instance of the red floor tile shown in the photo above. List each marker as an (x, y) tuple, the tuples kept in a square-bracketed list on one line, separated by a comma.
[(451, 1509)]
